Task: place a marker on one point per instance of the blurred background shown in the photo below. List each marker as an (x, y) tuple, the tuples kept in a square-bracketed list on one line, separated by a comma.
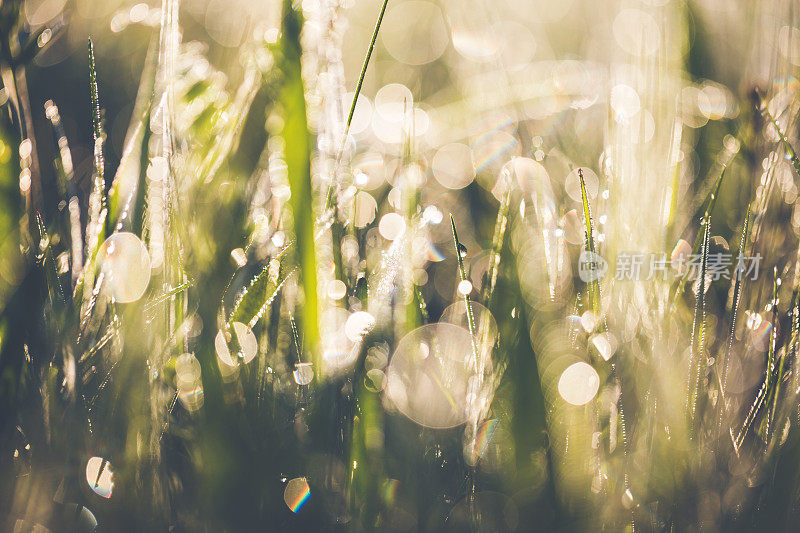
[(652, 99)]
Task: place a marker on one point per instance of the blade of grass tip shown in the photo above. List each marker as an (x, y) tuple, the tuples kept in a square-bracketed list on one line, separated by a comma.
[(296, 338), (150, 305), (329, 196), (461, 252), (257, 298), (95, 228), (737, 296), (594, 295), (55, 291), (593, 286), (298, 162), (710, 202), (94, 95), (751, 416), (364, 68), (498, 238), (698, 331)]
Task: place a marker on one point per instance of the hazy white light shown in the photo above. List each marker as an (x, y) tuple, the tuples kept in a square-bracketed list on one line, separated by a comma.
[(391, 226), (578, 383), (789, 44), (636, 32), (336, 289), (588, 321), (571, 224), (125, 264), (483, 321), (625, 101), (414, 32), (190, 386), (25, 149), (358, 324), (519, 45), (453, 166), (41, 11), (338, 349), (369, 171), (393, 102), (158, 169), (428, 376)]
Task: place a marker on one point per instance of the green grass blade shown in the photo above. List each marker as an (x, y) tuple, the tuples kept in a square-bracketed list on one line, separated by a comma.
[(593, 286), (95, 227), (461, 252), (364, 68), (698, 331), (329, 199), (500, 225), (298, 162), (737, 296), (255, 300)]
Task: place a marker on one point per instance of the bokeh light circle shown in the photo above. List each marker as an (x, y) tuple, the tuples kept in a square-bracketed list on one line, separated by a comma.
[(453, 166), (100, 477), (296, 494), (125, 264), (428, 375), (579, 383), (415, 32)]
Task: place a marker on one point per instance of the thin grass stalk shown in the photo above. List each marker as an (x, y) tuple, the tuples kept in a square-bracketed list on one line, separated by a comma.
[(698, 332), (737, 296), (332, 188), (498, 237)]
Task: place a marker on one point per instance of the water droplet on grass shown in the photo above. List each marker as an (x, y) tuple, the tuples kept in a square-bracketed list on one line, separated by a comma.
[(303, 373), (99, 476)]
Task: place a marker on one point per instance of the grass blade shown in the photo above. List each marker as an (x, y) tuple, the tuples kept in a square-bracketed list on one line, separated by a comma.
[(298, 162)]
